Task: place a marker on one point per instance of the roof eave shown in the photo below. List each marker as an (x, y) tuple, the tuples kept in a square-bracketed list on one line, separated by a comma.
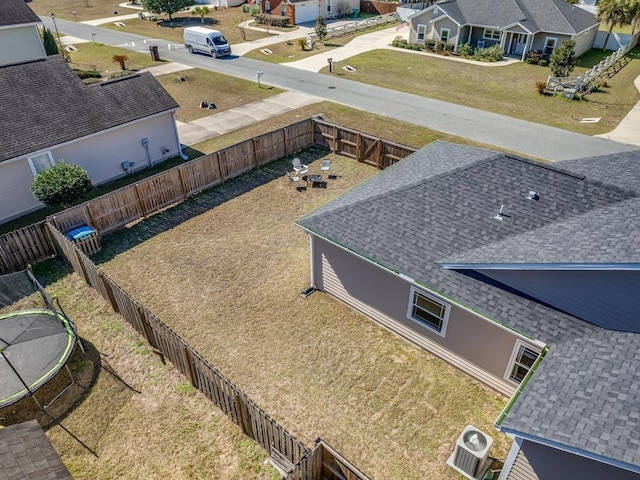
[(541, 266)]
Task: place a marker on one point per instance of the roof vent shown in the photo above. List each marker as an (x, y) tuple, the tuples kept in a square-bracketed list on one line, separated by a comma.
[(533, 195), (500, 213)]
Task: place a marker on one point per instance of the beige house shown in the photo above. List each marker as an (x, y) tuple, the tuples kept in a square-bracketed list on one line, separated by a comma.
[(523, 275), (518, 26), (49, 115)]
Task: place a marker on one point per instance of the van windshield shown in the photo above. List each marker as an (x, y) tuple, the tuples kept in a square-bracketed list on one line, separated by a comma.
[(220, 40)]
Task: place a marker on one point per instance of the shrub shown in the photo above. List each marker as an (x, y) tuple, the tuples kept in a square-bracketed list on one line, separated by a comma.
[(272, 20), (465, 50), (490, 54), (563, 60), (88, 73), (61, 184), (50, 45), (120, 74), (543, 62), (255, 10), (415, 46), (90, 81), (302, 43), (246, 8), (430, 44), (541, 87), (534, 56), (320, 28)]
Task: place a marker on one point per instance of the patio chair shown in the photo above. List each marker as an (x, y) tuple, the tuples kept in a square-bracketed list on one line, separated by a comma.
[(326, 165), (293, 178), (299, 167)]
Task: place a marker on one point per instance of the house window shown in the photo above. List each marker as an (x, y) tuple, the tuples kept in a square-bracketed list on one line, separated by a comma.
[(444, 34), (522, 359), (428, 310), (40, 162), (283, 10), (489, 34), (550, 45), (329, 6), (422, 33)]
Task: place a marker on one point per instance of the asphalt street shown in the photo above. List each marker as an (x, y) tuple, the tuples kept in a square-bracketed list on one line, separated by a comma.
[(517, 135)]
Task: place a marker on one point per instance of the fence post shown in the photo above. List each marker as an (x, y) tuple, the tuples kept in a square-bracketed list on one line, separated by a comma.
[(256, 161), (185, 190), (107, 288), (219, 162), (142, 209), (243, 416), (359, 147), (192, 373), (284, 140)]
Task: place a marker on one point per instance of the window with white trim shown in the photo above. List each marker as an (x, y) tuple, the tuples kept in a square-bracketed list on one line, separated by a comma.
[(428, 310), (489, 34), (550, 45), (329, 6), (522, 360), (444, 34), (421, 33), (40, 162)]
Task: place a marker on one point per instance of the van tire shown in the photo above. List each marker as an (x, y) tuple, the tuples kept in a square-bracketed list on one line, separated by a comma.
[(190, 48)]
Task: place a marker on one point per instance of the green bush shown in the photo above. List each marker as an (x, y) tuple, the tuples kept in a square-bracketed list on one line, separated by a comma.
[(465, 50), (273, 20), (490, 54), (246, 8), (543, 62), (415, 46), (91, 81), (120, 74), (430, 44), (61, 184), (255, 10), (87, 73)]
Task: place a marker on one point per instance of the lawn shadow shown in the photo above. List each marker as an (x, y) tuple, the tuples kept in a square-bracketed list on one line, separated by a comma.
[(127, 238)]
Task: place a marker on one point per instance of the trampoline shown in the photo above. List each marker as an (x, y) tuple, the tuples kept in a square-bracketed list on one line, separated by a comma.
[(35, 344)]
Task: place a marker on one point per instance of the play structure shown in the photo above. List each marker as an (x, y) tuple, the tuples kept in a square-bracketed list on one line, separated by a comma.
[(35, 343)]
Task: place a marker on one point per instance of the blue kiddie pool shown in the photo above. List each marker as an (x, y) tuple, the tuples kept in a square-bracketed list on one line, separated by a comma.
[(81, 232)]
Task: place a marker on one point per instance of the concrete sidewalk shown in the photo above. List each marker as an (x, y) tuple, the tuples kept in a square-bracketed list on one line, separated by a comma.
[(239, 117), (628, 130)]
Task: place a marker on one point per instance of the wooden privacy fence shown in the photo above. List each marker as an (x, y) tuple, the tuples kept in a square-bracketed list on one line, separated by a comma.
[(292, 457), (116, 209), (25, 246)]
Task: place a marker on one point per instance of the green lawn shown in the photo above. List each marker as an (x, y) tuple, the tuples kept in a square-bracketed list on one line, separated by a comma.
[(224, 19), (97, 56), (290, 51), (507, 90)]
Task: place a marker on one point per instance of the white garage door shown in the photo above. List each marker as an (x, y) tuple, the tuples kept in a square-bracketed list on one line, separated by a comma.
[(307, 11)]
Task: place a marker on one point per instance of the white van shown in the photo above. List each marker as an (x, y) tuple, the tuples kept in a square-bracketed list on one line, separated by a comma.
[(205, 40)]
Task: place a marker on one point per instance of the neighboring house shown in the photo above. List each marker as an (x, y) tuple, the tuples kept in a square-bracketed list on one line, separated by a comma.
[(305, 11), (524, 275), (518, 26), (48, 115)]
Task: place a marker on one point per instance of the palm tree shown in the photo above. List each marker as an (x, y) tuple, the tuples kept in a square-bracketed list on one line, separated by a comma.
[(121, 59), (617, 13), (201, 12)]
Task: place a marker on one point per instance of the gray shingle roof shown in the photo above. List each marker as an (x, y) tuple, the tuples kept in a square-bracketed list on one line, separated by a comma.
[(440, 202), (556, 16), (44, 103), (16, 12)]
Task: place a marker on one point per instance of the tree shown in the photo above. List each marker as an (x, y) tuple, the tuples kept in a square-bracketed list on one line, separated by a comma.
[(50, 45), (166, 6), (321, 28), (121, 59), (617, 13), (201, 12), (61, 184), (563, 59)]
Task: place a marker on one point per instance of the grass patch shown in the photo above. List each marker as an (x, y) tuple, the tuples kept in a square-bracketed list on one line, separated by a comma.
[(290, 51), (97, 56), (85, 9), (224, 19), (507, 90), (392, 409), (203, 85), (157, 428)]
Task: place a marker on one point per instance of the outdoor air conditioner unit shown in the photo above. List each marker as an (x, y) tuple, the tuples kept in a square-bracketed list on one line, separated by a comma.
[(471, 454)]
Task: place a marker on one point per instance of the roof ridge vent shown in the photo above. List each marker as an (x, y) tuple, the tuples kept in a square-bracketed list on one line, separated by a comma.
[(533, 195)]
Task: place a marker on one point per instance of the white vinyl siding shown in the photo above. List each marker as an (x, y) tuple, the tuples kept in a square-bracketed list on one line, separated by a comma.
[(429, 311), (523, 358), (40, 162)]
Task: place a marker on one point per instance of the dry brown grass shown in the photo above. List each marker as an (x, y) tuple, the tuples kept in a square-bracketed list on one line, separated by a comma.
[(225, 270), (164, 430), (85, 9)]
